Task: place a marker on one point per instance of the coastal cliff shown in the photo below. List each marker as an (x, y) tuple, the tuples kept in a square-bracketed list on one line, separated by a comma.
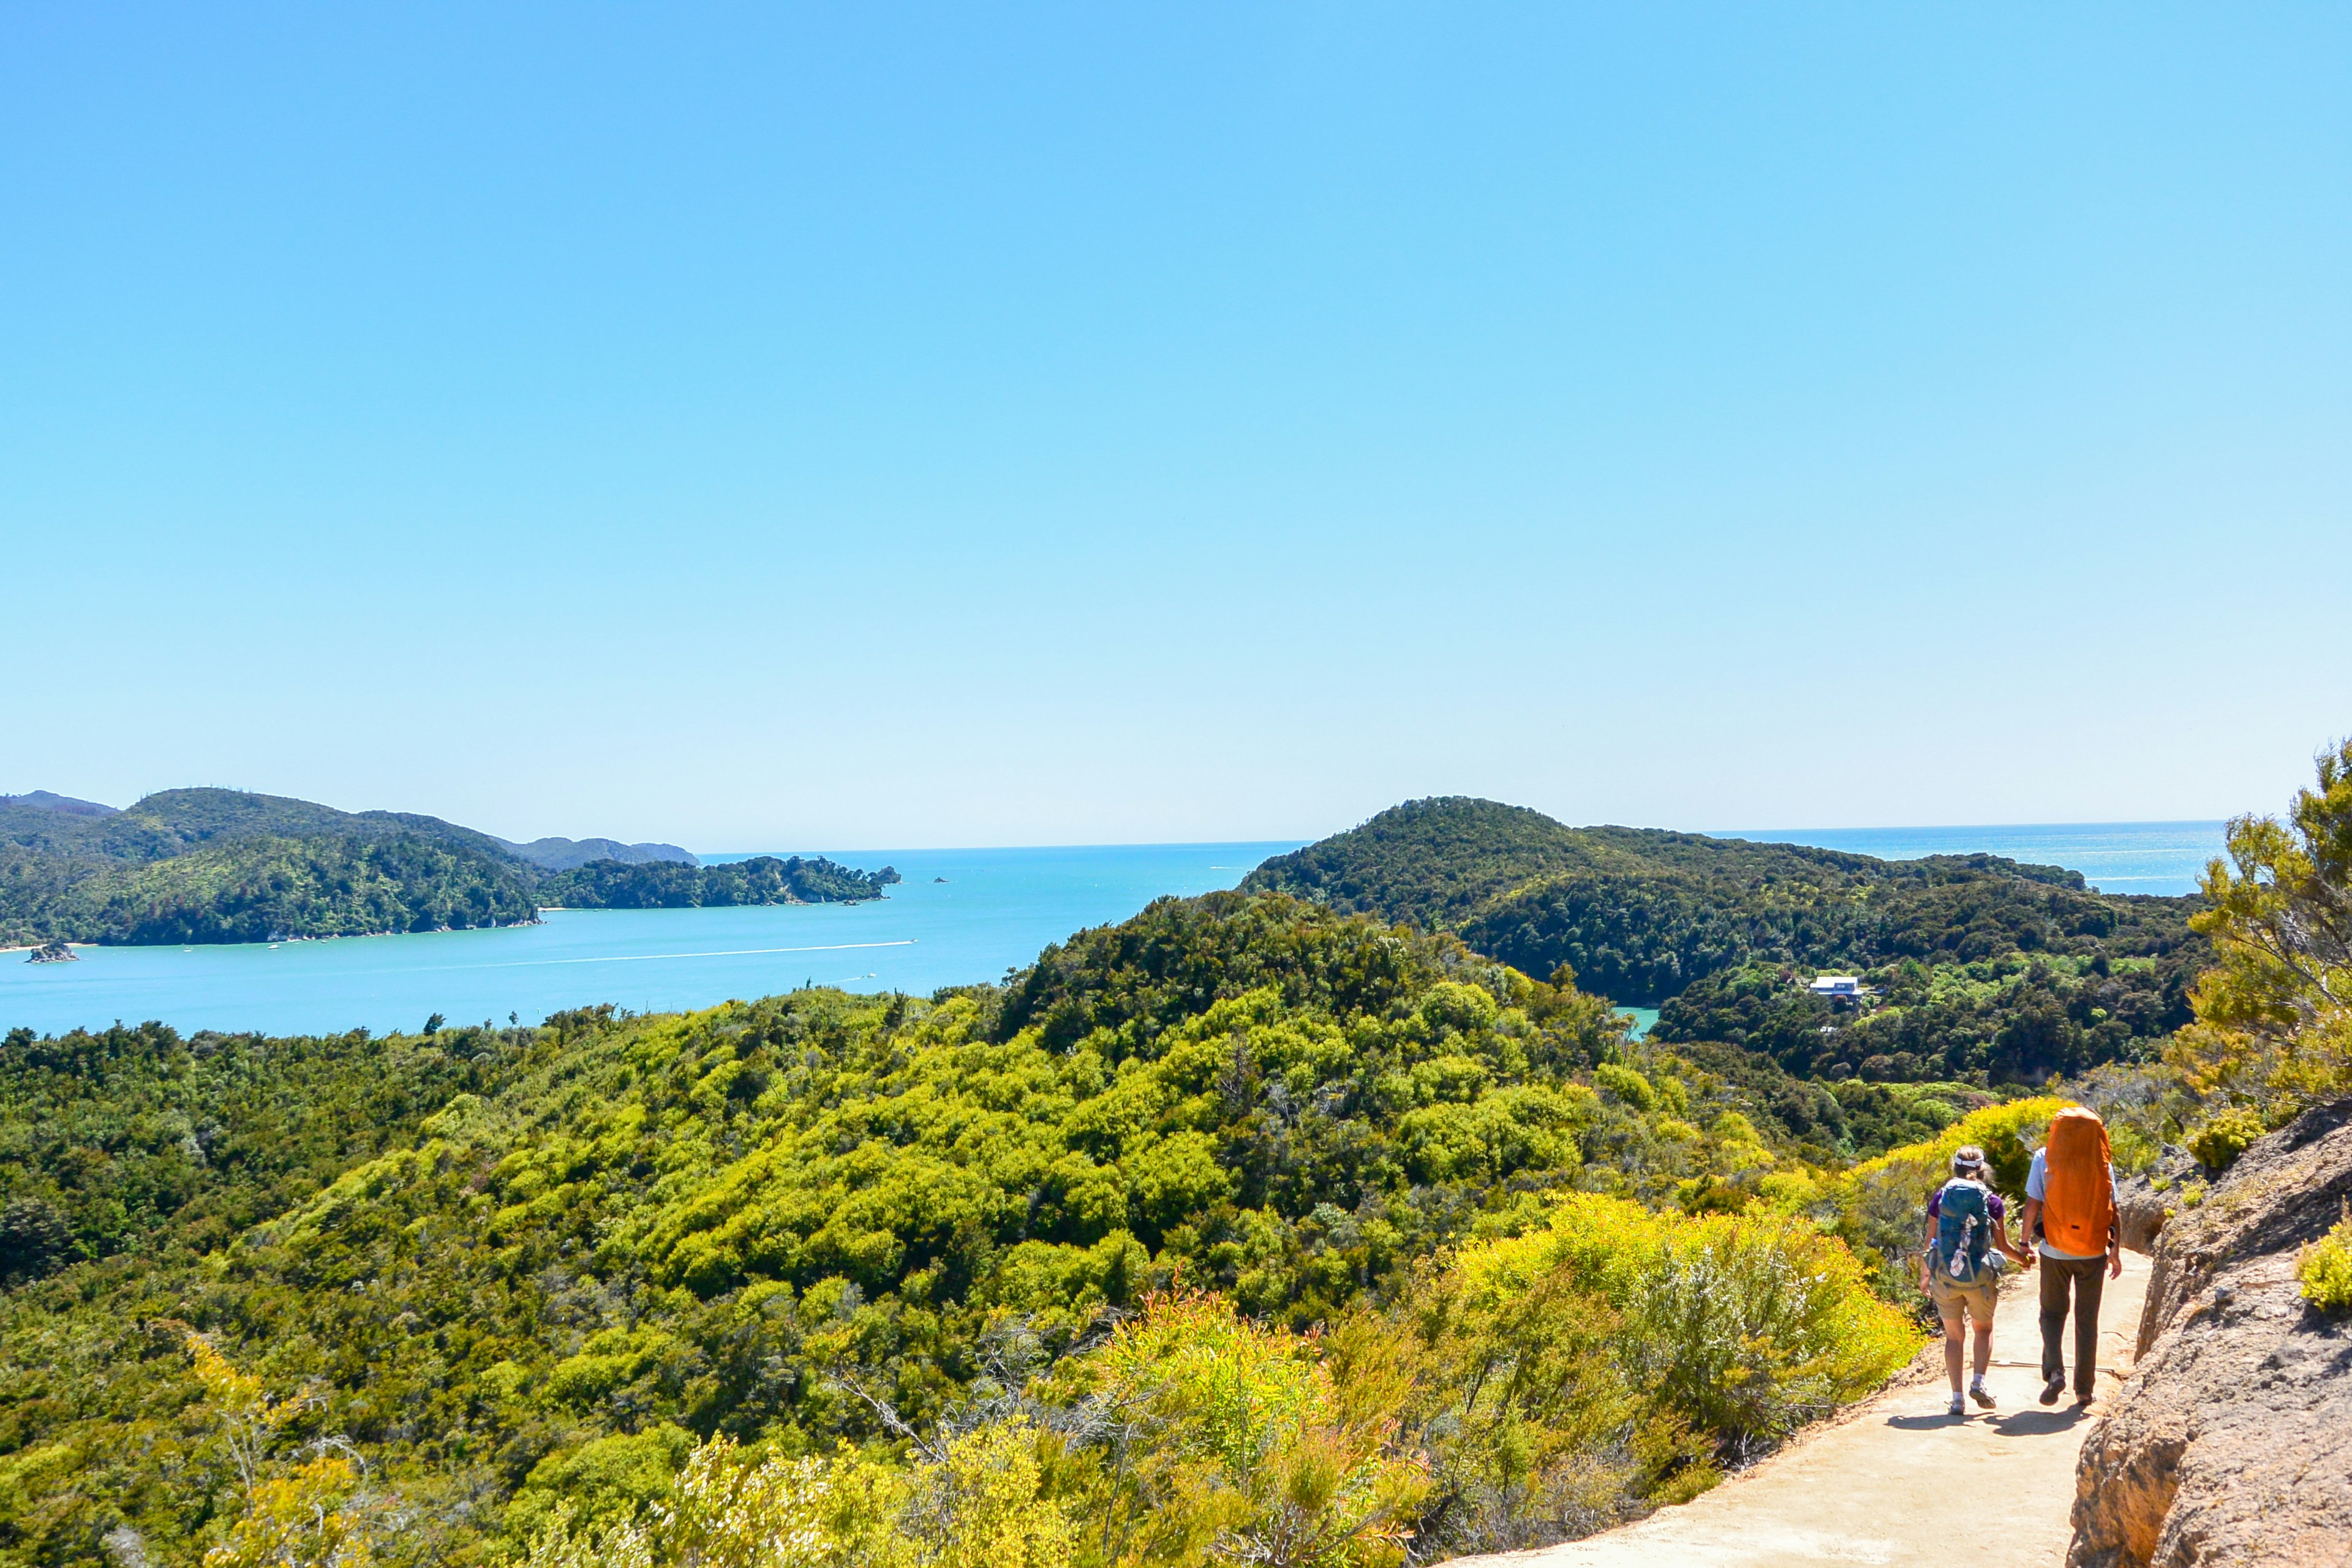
[(2232, 1442)]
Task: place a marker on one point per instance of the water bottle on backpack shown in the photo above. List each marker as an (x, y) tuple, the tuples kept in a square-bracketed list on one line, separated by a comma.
[(1963, 1230), (1956, 1269)]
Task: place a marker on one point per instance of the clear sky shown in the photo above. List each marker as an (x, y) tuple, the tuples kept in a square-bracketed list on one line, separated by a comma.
[(1008, 423)]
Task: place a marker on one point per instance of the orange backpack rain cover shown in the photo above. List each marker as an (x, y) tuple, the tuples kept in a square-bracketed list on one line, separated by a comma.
[(2078, 1204)]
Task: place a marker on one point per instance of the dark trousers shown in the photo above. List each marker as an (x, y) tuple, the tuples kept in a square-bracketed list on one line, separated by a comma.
[(2088, 1276)]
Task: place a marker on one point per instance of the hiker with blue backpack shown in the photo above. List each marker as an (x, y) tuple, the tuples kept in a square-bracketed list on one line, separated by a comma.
[(1967, 1236)]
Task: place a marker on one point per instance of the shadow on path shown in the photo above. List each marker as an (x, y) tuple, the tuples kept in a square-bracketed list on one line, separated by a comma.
[(2016, 1424), (2036, 1423), (1936, 1423)]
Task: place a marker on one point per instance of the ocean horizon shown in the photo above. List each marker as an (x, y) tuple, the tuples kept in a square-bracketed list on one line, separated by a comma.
[(958, 916), (2165, 859)]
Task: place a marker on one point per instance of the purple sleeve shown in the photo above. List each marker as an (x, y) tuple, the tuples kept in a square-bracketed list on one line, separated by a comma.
[(1993, 1205)]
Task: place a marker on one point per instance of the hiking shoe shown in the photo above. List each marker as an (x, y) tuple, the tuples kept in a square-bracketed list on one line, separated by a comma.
[(1958, 1409), (2053, 1388), (1981, 1395)]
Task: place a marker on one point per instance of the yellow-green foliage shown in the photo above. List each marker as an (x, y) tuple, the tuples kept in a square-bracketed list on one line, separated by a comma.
[(605, 1480), (1741, 1326), (1927, 1165), (1197, 1437), (2272, 1031), (1627, 1085), (1532, 1388), (976, 1504), (314, 1513), (1533, 1428), (1618, 1358), (2220, 1138), (519, 1276), (304, 1518), (2325, 1267), (1235, 1438)]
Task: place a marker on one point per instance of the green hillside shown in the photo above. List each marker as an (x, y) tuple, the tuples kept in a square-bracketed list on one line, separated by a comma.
[(269, 888), (1987, 967), (215, 865), (665, 885), (523, 1268)]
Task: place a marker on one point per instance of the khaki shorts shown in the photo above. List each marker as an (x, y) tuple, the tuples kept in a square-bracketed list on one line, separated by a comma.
[(1951, 1297)]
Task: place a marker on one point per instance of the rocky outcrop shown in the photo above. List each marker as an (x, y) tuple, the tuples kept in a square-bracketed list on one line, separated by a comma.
[(2143, 1202), (2232, 1441)]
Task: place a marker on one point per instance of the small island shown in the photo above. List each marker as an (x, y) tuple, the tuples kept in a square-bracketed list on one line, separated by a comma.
[(52, 952), (762, 879)]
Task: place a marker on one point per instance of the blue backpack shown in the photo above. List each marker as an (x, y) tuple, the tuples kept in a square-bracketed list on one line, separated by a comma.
[(1963, 1231)]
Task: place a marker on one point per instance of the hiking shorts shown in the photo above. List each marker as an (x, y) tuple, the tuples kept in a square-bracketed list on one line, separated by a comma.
[(1977, 1299)]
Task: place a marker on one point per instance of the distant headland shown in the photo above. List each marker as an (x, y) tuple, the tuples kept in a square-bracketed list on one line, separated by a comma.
[(200, 866)]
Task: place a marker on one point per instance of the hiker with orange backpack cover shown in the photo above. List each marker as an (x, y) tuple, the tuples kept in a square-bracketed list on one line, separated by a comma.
[(2070, 1195)]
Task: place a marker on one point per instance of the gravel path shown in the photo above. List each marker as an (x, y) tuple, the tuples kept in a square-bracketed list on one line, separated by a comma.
[(1896, 1480)]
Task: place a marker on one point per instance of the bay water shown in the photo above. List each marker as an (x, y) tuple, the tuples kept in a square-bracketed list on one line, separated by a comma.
[(2161, 858), (958, 916)]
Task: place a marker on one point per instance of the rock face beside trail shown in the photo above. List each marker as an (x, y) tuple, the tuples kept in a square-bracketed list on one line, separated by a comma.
[(2141, 1208), (2232, 1442)]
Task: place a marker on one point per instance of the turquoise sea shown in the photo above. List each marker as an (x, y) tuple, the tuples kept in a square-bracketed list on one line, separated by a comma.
[(960, 916), (2166, 857)]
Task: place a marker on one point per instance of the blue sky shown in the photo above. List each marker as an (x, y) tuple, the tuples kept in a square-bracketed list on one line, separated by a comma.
[(1021, 424)]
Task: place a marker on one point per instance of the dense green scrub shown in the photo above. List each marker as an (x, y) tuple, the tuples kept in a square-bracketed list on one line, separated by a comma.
[(1522, 1390), (1717, 932), (213, 866), (2013, 1018), (668, 885), (530, 1266), (1828, 1121), (270, 888), (142, 1142)]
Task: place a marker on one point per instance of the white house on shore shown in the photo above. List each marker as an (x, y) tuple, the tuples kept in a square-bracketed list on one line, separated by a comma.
[(1836, 987)]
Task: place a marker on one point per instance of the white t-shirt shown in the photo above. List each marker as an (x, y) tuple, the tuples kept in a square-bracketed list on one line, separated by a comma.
[(2037, 1182)]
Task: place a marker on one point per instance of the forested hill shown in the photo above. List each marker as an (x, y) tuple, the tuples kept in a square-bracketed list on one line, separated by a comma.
[(523, 1271), (571, 854), (762, 879), (1983, 966), (216, 865)]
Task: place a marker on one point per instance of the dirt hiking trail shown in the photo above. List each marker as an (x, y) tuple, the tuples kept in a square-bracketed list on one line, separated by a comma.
[(1896, 1480)]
